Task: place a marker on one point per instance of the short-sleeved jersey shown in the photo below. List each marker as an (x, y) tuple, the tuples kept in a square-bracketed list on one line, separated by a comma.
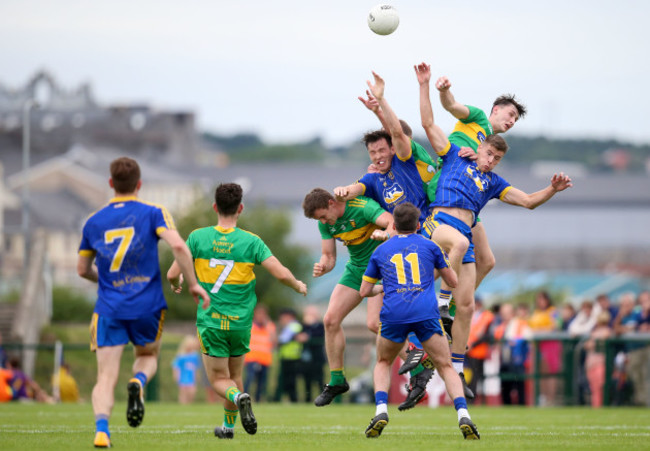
[(463, 185), (405, 182), (224, 260), (471, 131), (123, 237), (354, 228), (406, 264)]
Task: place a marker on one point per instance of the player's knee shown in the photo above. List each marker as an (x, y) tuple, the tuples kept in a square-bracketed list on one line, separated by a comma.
[(331, 321), (373, 325), (485, 263)]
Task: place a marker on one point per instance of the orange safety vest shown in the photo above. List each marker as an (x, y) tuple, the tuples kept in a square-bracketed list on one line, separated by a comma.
[(261, 344), (480, 324)]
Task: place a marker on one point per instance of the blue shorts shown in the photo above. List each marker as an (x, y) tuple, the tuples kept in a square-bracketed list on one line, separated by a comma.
[(106, 331), (443, 218), (423, 330)]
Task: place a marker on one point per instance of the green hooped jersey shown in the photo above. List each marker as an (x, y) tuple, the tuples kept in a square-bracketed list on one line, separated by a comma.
[(355, 227), (471, 131), (426, 168), (224, 260)]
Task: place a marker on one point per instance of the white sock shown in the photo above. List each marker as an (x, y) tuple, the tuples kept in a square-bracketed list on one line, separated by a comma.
[(458, 366), (381, 408), (463, 413)]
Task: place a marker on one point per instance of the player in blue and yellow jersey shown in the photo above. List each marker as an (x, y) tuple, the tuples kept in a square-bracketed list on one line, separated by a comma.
[(465, 186), (406, 264), (224, 258), (472, 128), (122, 240), (401, 172), (360, 224)]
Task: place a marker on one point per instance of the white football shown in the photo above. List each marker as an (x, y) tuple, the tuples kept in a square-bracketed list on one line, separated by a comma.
[(383, 19)]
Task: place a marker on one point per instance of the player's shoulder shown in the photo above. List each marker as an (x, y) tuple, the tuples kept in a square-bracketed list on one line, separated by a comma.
[(247, 234), (146, 205), (360, 202)]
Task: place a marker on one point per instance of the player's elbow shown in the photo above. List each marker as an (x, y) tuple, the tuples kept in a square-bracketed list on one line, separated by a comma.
[(365, 291)]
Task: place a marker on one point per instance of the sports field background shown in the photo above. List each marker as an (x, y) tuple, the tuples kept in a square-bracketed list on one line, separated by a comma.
[(299, 427)]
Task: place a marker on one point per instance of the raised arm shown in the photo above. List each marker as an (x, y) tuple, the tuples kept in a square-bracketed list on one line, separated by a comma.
[(327, 258), (449, 103), (372, 104), (343, 193), (284, 275), (517, 197), (436, 136), (401, 142)]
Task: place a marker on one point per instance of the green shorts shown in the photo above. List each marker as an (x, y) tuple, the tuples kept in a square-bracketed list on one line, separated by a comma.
[(352, 276), (224, 343)]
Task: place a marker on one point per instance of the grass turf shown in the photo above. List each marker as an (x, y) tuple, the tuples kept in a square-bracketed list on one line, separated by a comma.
[(341, 426)]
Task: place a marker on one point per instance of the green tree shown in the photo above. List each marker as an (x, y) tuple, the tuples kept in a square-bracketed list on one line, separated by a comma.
[(273, 225)]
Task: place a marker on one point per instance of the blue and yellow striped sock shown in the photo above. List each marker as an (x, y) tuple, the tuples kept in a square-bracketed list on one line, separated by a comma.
[(141, 377), (444, 298), (457, 360), (101, 424), (231, 394), (229, 418), (337, 376)]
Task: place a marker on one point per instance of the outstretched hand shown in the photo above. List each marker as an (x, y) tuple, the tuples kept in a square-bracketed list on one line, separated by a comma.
[(377, 89), (443, 84), (423, 72), (198, 293), (371, 103), (561, 182)]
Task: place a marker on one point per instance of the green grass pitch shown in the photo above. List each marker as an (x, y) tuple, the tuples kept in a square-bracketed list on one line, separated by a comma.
[(341, 426)]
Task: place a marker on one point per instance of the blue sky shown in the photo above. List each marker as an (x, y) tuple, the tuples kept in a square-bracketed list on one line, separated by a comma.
[(291, 70)]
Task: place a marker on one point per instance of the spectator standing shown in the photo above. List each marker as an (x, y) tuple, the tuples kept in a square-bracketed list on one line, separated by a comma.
[(595, 360), (478, 344), (258, 361), (567, 315), (289, 350), (313, 353), (544, 320), (512, 336), (585, 319)]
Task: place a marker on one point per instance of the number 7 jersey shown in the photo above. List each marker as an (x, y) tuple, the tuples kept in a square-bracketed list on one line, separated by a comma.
[(123, 237), (224, 260)]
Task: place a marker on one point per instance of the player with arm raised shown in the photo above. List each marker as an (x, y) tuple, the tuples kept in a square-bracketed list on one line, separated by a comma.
[(464, 187), (122, 239), (224, 257), (472, 128), (406, 264), (361, 224)]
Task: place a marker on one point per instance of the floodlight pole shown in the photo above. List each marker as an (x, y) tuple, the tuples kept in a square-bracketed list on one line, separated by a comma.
[(27, 108)]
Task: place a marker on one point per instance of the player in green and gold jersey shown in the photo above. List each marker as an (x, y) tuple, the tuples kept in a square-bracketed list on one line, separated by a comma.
[(358, 223), (224, 257)]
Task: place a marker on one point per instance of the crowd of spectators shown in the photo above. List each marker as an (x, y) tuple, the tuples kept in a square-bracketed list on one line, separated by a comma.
[(508, 332)]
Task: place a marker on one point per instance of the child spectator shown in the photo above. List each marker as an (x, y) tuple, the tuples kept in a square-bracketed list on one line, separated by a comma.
[(184, 367)]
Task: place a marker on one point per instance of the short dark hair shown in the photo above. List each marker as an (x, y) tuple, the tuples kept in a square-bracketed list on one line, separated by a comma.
[(497, 142), (125, 174), (406, 217), (228, 197), (509, 99), (314, 200), (377, 135)]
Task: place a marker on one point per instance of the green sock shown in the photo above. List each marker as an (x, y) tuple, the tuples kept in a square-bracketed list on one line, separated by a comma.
[(229, 418), (337, 377), (417, 370), (231, 394)]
